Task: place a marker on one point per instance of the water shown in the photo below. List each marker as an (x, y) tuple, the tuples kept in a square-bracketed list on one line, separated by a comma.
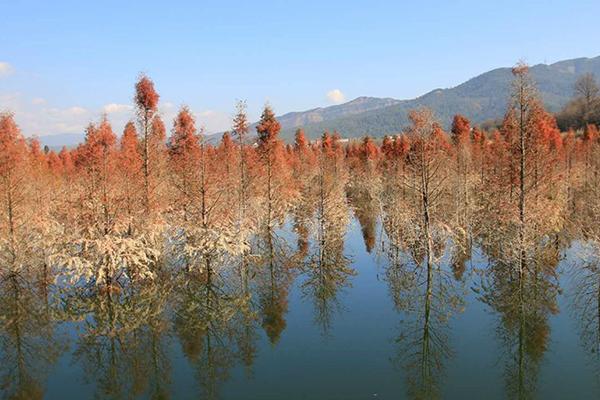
[(358, 345)]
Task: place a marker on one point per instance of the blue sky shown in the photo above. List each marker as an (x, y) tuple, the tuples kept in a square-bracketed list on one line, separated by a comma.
[(63, 63)]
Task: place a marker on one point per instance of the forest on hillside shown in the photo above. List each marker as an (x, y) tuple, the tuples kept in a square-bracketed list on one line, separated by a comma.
[(115, 231)]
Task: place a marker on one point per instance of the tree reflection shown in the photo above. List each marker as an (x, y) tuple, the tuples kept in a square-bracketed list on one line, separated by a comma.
[(425, 294), (204, 321), (415, 219), (123, 347), (326, 268), (523, 301), (28, 346), (424, 291), (275, 275), (366, 210), (586, 300)]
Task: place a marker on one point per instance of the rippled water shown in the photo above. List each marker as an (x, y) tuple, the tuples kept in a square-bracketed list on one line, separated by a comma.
[(368, 339)]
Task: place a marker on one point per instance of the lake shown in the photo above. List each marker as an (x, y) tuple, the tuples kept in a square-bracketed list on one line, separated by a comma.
[(366, 332)]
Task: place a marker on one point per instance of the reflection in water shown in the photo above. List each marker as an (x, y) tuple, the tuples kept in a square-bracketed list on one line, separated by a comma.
[(425, 294), (461, 254), (585, 269), (424, 291), (523, 300), (212, 303), (274, 278), (366, 209), (28, 347), (205, 312), (586, 300), (326, 268), (420, 284), (122, 347), (214, 311), (203, 316), (137, 244)]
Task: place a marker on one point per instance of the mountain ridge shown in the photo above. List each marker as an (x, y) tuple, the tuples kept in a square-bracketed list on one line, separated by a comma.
[(481, 98)]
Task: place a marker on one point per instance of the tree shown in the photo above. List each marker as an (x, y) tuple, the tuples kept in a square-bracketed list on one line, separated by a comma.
[(96, 251), (99, 161), (130, 165), (15, 198), (427, 176), (461, 137), (146, 101), (240, 130), (270, 151), (327, 267), (268, 131), (586, 88), (227, 168), (185, 154)]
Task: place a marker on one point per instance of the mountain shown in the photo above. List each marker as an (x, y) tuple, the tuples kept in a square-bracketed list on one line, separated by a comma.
[(481, 98), (317, 119), (357, 106)]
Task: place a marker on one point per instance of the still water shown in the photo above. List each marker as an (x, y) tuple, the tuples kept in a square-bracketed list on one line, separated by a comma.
[(365, 337)]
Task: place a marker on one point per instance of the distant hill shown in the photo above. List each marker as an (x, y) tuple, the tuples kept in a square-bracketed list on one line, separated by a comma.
[(56, 142), (71, 140), (481, 98)]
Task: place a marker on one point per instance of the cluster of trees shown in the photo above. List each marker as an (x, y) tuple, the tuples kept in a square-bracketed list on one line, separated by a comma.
[(585, 107), (117, 228), (519, 196)]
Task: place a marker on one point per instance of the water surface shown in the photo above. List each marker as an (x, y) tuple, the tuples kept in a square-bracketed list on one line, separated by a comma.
[(363, 336)]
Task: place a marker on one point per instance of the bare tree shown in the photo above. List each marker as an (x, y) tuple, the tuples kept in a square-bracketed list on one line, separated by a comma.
[(587, 89)]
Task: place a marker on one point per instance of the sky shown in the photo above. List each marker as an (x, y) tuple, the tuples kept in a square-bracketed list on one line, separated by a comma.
[(64, 64)]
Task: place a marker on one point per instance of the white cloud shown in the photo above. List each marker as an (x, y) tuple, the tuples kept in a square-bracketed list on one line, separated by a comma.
[(114, 108), (336, 96), (207, 113), (213, 121), (5, 69), (9, 101), (37, 116), (74, 111)]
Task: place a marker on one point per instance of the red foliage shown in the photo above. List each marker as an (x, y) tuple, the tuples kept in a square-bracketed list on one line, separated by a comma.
[(146, 97), (184, 145), (129, 157), (55, 165), (327, 143), (300, 142), (461, 130), (12, 145), (591, 134), (441, 138), (368, 149), (268, 129), (387, 146), (158, 134), (37, 156), (67, 160), (226, 142), (97, 151)]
